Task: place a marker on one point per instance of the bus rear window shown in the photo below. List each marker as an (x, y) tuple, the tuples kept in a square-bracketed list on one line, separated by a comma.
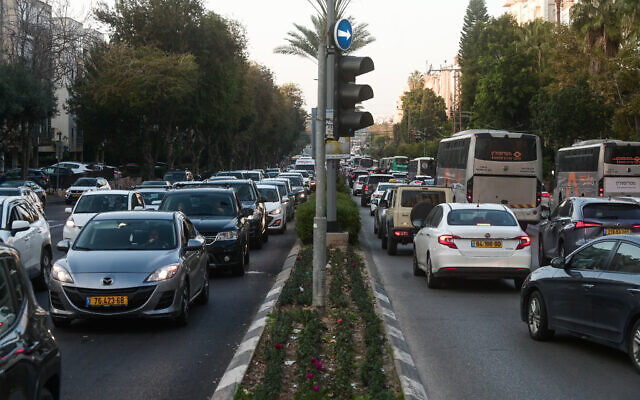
[(490, 148), (412, 197), (622, 155), (366, 163)]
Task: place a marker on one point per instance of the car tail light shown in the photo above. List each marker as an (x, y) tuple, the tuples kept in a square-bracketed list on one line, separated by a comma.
[(524, 242), (447, 240), (470, 190), (601, 188), (636, 226), (538, 193), (582, 224), (483, 224), (378, 196), (366, 188), (401, 233), (546, 195)]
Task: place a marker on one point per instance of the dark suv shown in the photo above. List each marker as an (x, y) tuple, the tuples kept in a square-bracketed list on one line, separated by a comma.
[(217, 214), (29, 355), (370, 185), (578, 220), (178, 175), (250, 198)]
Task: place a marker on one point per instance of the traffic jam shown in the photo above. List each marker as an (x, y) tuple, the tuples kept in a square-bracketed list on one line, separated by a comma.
[(480, 210), (145, 253)]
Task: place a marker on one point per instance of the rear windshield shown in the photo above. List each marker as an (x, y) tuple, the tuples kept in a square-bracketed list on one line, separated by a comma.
[(252, 175), (200, 204), (401, 160), (362, 178), (611, 211), (150, 197), (412, 197), (366, 163), (102, 203), (243, 190), (480, 216), (270, 195), (295, 180), (489, 148), (378, 179), (626, 155), (230, 173), (86, 182), (9, 192)]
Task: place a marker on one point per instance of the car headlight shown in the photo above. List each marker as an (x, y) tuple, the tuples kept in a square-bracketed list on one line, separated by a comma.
[(302, 194), (163, 273), (228, 235), (70, 223), (60, 274), (276, 211)]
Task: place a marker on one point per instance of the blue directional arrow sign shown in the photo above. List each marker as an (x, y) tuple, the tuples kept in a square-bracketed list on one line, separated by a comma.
[(343, 34)]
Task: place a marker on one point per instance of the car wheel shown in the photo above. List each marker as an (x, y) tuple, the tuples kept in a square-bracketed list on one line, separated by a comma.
[(45, 268), (60, 322), (203, 298), (383, 240), (265, 235), (416, 269), (634, 345), (537, 320), (432, 281), (542, 259), (183, 318), (45, 394), (392, 245)]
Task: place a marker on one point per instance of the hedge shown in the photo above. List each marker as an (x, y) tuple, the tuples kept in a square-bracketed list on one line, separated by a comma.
[(348, 217)]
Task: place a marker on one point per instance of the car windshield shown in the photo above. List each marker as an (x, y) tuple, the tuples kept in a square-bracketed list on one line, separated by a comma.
[(478, 216), (230, 173), (611, 211), (377, 179), (123, 234), (9, 192), (269, 194), (102, 203), (243, 189), (412, 197), (86, 182), (200, 204), (282, 189), (175, 176), (150, 197), (252, 175), (295, 180)]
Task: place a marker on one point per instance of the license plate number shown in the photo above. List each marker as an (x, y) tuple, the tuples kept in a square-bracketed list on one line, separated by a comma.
[(617, 231), (107, 301), (490, 244)]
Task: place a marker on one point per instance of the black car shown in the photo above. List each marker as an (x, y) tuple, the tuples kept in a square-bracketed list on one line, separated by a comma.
[(592, 293), (33, 174), (178, 175), (370, 185), (29, 354), (250, 198), (577, 220), (235, 174), (218, 215)]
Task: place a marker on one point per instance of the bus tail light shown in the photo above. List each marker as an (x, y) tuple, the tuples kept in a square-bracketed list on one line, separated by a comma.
[(470, 190), (582, 224), (601, 188), (524, 242), (538, 193), (447, 240)]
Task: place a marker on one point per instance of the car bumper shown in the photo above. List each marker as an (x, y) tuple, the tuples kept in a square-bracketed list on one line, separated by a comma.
[(144, 300), (451, 263), (406, 235), (276, 221), (225, 253)]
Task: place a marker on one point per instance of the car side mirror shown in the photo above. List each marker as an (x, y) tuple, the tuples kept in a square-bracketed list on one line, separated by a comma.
[(558, 262), (544, 214), (246, 212), (68, 210), (19, 226), (63, 245), (417, 223), (194, 244)]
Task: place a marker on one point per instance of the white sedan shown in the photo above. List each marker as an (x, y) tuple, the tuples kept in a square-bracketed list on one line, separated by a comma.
[(471, 240), (377, 195), (358, 185)]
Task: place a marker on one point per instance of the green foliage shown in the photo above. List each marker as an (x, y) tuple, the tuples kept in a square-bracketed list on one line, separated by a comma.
[(309, 347), (476, 12), (298, 288), (347, 214), (424, 115)]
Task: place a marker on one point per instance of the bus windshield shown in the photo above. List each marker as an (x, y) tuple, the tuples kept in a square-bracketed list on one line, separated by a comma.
[(490, 148)]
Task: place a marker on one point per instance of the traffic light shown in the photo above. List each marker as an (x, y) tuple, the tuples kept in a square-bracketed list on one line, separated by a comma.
[(347, 120)]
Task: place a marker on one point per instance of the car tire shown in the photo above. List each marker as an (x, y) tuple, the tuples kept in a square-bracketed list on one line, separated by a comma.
[(60, 322), (183, 318), (45, 268), (432, 281), (392, 245), (203, 298), (383, 241), (265, 235), (416, 269), (238, 270), (537, 320), (542, 259), (45, 394), (634, 345)]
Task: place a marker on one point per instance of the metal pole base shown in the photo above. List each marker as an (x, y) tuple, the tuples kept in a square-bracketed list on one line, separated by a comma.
[(319, 260)]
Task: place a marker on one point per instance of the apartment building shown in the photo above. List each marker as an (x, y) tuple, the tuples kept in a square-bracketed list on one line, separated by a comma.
[(548, 10)]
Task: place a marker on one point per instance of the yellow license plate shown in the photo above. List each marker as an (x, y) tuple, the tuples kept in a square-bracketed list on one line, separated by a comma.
[(491, 244), (617, 231), (108, 301)]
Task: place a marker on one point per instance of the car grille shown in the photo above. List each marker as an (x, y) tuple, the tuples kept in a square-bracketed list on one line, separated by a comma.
[(137, 297), (165, 300), (55, 300)]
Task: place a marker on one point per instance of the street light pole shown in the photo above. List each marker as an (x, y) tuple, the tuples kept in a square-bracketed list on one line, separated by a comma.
[(332, 165)]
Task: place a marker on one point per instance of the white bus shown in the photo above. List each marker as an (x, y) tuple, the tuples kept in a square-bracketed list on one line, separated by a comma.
[(490, 166), (597, 168), (422, 166)]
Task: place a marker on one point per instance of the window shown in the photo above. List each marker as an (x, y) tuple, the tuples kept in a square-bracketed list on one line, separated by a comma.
[(122, 234), (101, 203), (8, 301), (582, 160), (453, 154), (506, 149), (593, 257), (15, 278), (611, 211), (434, 217), (627, 259), (479, 216), (189, 229), (412, 197), (622, 155), (564, 209), (201, 204)]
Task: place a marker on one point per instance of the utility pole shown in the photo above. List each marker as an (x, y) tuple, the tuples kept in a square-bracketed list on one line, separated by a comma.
[(320, 220), (332, 212)]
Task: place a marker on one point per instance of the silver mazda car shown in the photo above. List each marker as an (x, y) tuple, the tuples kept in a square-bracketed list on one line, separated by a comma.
[(130, 264)]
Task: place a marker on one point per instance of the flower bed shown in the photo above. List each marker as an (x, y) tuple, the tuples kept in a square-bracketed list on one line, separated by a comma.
[(337, 354)]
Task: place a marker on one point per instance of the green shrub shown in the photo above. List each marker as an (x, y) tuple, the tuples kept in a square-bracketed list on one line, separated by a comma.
[(348, 218)]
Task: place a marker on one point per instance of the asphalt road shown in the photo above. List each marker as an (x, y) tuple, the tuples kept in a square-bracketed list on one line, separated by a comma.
[(137, 359), (468, 341)]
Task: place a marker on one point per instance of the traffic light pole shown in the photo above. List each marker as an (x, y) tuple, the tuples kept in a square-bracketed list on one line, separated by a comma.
[(320, 220), (332, 213)]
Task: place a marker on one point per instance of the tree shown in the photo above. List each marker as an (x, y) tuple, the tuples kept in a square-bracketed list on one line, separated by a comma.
[(304, 41), (471, 49), (416, 80), (476, 12)]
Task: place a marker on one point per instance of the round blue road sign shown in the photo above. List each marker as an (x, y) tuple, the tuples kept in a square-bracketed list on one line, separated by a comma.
[(343, 34)]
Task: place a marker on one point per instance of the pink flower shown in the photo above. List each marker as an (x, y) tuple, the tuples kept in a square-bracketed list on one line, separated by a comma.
[(353, 265), (313, 360), (309, 284), (316, 388), (339, 320), (309, 376), (319, 365), (298, 258), (278, 346)]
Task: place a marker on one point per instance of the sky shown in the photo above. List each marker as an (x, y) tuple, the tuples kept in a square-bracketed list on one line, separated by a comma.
[(410, 35)]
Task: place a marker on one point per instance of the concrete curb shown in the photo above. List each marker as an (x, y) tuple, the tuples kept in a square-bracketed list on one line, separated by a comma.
[(239, 364), (412, 387)]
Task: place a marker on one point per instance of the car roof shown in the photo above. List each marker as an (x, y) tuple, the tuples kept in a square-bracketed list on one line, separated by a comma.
[(230, 181), (151, 188), (483, 206), (601, 200), (166, 215), (264, 185), (629, 238), (199, 190), (115, 191)]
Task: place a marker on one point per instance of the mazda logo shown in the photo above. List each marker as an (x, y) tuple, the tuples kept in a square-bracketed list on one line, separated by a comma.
[(487, 235), (107, 281)]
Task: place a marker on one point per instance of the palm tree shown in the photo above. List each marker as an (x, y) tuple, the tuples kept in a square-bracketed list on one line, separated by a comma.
[(304, 41), (416, 80)]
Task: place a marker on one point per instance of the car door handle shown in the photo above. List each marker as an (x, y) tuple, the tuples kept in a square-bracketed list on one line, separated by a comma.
[(587, 285)]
